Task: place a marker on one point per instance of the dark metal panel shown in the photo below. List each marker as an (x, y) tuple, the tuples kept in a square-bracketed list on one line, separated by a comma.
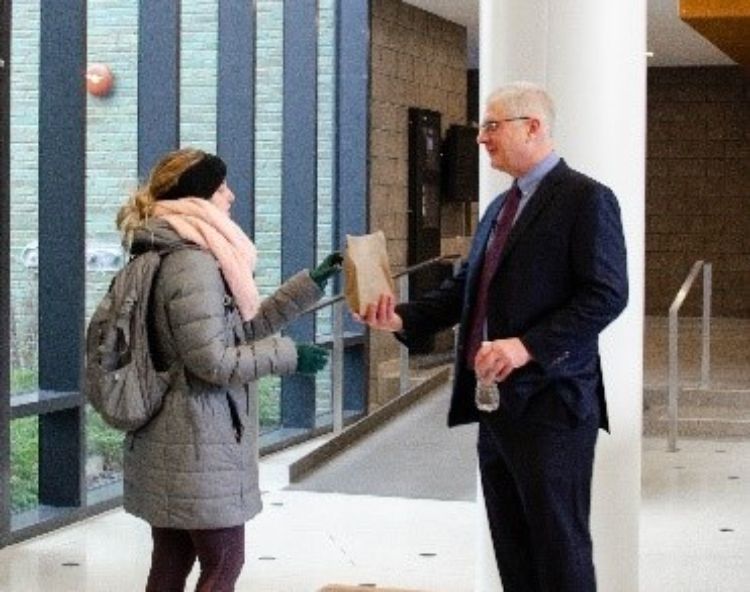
[(355, 383), (4, 270), (158, 81), (61, 461), (62, 172), (299, 185), (236, 105)]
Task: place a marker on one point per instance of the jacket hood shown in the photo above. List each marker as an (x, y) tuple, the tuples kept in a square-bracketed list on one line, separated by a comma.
[(156, 235)]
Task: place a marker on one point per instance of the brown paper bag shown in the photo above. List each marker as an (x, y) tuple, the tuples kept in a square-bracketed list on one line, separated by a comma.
[(367, 273)]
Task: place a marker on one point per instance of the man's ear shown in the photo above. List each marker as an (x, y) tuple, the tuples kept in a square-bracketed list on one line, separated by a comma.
[(535, 127)]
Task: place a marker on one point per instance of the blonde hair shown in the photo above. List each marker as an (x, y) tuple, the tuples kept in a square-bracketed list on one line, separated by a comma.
[(165, 175)]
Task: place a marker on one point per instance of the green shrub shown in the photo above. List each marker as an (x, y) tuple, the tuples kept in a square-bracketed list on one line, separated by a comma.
[(269, 402), (104, 440), (23, 380), (24, 464)]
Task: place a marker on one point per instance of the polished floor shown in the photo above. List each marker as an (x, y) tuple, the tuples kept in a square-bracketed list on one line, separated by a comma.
[(695, 535), (397, 510)]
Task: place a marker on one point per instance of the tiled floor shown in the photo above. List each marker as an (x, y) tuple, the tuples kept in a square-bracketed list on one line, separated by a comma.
[(695, 517), (695, 536)]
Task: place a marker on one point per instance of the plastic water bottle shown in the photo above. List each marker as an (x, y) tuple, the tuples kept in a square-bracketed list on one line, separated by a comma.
[(487, 396)]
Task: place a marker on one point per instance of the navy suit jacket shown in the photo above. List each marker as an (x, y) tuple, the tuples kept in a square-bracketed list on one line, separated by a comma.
[(561, 280)]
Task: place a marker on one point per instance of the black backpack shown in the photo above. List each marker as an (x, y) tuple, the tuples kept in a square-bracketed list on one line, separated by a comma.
[(122, 383)]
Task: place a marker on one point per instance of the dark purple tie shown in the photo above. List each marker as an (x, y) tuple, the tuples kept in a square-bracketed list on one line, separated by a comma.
[(489, 266)]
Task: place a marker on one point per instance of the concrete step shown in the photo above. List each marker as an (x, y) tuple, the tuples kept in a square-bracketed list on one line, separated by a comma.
[(730, 351), (699, 421), (694, 396)]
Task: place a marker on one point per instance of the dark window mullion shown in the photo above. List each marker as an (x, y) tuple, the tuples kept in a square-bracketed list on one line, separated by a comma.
[(236, 105), (299, 185), (5, 24), (158, 81), (351, 162), (62, 216)]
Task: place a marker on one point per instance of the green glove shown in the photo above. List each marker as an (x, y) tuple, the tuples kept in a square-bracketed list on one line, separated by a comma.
[(331, 264), (310, 358)]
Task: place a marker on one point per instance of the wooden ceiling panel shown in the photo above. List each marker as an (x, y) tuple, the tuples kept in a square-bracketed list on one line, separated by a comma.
[(725, 23)]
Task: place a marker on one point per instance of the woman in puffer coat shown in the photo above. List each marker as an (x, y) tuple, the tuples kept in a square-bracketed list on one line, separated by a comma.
[(192, 471)]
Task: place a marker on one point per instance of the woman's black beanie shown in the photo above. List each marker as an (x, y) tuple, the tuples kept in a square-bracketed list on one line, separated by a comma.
[(200, 180)]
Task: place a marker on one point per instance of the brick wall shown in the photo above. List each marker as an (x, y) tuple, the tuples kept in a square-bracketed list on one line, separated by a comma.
[(199, 41), (111, 134), (24, 184), (698, 186), (268, 148), (417, 60)]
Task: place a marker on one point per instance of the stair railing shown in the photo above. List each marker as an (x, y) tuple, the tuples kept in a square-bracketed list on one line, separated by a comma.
[(337, 354), (674, 361)]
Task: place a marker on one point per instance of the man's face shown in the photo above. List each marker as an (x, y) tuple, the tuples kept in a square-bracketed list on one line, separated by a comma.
[(505, 136)]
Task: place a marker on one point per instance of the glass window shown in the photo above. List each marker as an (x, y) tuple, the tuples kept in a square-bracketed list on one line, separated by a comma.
[(24, 219)]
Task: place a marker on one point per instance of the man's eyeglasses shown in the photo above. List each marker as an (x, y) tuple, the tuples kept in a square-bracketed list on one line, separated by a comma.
[(492, 125)]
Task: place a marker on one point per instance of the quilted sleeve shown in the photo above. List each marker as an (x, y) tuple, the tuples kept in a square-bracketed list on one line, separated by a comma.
[(195, 297), (283, 306)]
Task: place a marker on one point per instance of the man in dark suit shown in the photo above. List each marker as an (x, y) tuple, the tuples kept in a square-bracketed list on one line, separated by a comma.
[(540, 283)]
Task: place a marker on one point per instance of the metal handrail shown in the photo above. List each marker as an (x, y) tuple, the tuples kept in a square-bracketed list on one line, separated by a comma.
[(331, 300), (674, 363), (337, 338)]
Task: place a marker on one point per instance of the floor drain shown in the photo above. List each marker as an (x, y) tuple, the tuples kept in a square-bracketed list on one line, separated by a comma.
[(266, 558), (277, 503), (679, 467), (71, 564), (367, 585), (428, 554), (720, 451), (726, 530), (733, 477)]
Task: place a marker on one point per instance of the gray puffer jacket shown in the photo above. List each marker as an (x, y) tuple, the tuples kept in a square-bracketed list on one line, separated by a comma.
[(195, 464)]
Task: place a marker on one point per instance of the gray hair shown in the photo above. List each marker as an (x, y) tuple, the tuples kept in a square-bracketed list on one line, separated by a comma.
[(526, 98)]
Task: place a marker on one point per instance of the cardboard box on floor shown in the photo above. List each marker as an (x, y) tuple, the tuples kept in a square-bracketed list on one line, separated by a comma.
[(345, 588)]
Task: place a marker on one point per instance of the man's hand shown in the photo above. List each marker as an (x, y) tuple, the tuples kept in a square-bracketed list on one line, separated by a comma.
[(497, 359), (381, 315)]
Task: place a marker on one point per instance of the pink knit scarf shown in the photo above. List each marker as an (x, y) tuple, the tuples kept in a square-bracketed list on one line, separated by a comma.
[(200, 221)]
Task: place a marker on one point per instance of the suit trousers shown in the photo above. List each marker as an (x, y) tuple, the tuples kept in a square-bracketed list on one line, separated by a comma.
[(537, 488)]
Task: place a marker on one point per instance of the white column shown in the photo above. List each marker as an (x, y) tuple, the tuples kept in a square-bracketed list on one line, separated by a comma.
[(590, 55), (510, 48)]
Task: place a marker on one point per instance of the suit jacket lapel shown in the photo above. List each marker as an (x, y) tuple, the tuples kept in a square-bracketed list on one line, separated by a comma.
[(480, 241), (542, 198)]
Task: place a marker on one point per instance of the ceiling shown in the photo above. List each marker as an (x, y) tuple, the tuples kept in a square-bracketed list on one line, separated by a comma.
[(671, 41)]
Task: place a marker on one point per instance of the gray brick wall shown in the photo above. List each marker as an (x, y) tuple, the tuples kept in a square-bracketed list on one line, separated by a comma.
[(417, 60), (268, 148), (698, 186), (199, 41), (24, 185), (111, 132)]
